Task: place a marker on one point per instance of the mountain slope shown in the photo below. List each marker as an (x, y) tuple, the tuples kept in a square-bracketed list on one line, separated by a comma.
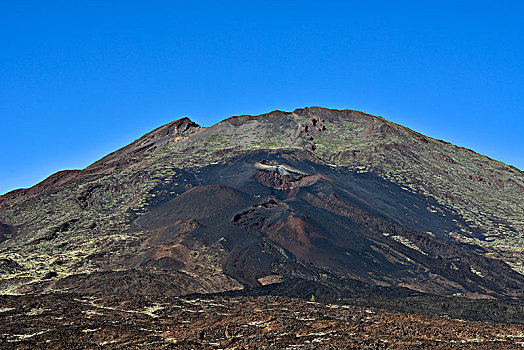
[(315, 194)]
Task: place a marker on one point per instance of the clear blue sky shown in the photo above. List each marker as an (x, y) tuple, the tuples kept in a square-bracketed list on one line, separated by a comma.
[(81, 79)]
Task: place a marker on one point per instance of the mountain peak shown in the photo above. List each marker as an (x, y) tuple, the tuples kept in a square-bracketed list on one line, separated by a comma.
[(176, 127)]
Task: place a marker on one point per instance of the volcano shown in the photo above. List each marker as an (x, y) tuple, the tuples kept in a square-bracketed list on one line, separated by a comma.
[(337, 201)]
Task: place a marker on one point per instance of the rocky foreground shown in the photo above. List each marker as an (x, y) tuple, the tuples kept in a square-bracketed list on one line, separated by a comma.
[(60, 321)]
